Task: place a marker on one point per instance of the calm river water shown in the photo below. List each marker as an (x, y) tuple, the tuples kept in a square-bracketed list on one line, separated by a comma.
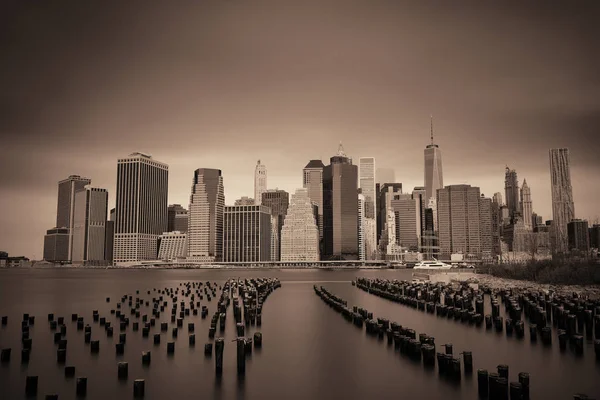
[(309, 351)]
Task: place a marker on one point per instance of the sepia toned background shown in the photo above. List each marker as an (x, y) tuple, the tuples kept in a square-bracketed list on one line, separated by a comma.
[(221, 84)]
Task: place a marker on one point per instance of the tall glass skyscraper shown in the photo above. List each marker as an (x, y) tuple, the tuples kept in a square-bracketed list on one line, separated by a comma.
[(205, 216), (511, 190), (141, 208), (312, 181), (563, 208), (434, 178)]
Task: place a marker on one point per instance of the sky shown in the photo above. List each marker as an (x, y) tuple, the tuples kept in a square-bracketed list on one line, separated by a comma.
[(221, 84)]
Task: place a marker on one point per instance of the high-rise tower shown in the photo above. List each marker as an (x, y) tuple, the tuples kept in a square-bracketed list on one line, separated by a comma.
[(563, 209), (312, 181), (526, 206), (340, 208), (434, 178), (89, 226), (205, 215), (141, 207), (260, 182), (511, 189), (300, 234)]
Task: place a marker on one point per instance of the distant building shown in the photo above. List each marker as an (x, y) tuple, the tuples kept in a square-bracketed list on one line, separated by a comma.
[(366, 177), (141, 208), (536, 220), (300, 234), (486, 225), (511, 189), (89, 226), (312, 181), (340, 208), (177, 219), (595, 236), (172, 245), (526, 207), (260, 182), (563, 209), (419, 193), (361, 227), (247, 234), (56, 245), (385, 194), (497, 198), (278, 201), (109, 238), (496, 226), (385, 175), (459, 220), (434, 178), (205, 216), (407, 211), (244, 201), (429, 240), (578, 234), (275, 240)]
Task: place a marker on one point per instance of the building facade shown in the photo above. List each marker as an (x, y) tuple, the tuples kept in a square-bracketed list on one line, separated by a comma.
[(578, 234), (141, 208), (563, 208), (595, 236), (526, 206), (366, 177), (247, 234), (511, 190), (172, 245), (300, 233), (109, 238), (260, 182), (385, 175), (89, 226), (340, 208), (385, 194), (361, 227), (56, 245), (312, 181), (205, 216), (459, 220), (278, 201), (486, 228), (244, 201), (407, 211), (177, 218)]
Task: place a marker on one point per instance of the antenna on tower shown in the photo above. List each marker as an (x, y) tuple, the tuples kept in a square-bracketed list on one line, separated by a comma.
[(431, 127), (341, 150)]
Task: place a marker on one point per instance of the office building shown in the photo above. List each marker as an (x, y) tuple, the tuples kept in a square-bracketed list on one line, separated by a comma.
[(300, 233), (56, 245), (536, 220), (578, 235), (172, 245), (420, 194), (407, 211), (275, 241), (312, 181), (563, 208), (340, 208), (385, 194), (65, 212), (385, 175), (497, 198), (260, 182), (595, 236), (109, 238), (434, 178), (205, 216), (247, 234), (459, 220), (429, 240), (141, 208), (526, 207), (278, 201), (366, 177), (89, 226), (486, 228), (177, 218), (496, 227), (511, 190), (361, 221)]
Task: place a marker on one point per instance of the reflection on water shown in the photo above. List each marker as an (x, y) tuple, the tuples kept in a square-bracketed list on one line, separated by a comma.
[(309, 351)]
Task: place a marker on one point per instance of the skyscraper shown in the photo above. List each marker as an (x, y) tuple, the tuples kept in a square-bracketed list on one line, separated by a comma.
[(109, 238), (205, 215), (340, 208), (434, 178), (141, 207), (300, 234), (172, 245), (56, 245), (277, 200), (366, 176), (64, 216), (459, 220), (361, 226), (312, 181), (578, 234), (563, 209), (244, 201), (385, 175), (420, 194), (260, 182), (511, 189), (89, 226), (386, 193), (595, 236), (407, 211), (486, 225), (526, 206), (497, 199), (247, 234), (177, 218)]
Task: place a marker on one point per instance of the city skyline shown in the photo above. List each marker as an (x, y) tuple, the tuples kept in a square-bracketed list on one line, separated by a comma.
[(202, 105)]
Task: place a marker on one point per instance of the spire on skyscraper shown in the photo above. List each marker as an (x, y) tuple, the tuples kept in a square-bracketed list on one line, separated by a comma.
[(431, 128), (341, 151)]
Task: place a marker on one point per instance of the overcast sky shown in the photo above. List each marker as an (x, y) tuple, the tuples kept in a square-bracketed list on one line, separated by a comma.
[(221, 84)]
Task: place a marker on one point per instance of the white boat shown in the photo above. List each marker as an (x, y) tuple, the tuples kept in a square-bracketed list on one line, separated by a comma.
[(432, 265)]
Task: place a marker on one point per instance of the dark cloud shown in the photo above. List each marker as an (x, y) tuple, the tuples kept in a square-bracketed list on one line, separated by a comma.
[(223, 83)]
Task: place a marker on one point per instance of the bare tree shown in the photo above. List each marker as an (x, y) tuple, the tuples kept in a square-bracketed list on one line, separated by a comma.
[(532, 243)]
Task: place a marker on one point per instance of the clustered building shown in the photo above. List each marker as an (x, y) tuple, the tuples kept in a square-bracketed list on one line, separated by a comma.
[(342, 212)]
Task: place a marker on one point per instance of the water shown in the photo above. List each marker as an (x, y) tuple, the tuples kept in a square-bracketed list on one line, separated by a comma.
[(309, 351)]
